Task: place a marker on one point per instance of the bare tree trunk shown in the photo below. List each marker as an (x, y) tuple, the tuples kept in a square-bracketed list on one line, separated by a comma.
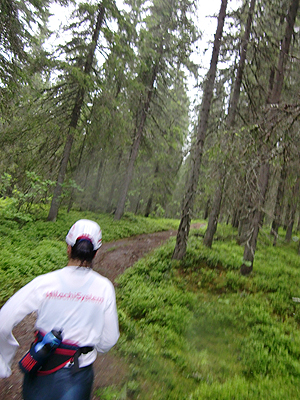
[(214, 215), (60, 179), (138, 203), (237, 205), (109, 207), (289, 230), (287, 215), (130, 168), (298, 223), (263, 174), (250, 246), (279, 199), (206, 210), (216, 206), (99, 177), (188, 203), (236, 217), (137, 138), (284, 52), (246, 207), (293, 209), (149, 205), (74, 120), (79, 162), (244, 224), (150, 200), (240, 71)]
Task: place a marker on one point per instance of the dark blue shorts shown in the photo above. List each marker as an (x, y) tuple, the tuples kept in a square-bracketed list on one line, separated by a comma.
[(61, 385)]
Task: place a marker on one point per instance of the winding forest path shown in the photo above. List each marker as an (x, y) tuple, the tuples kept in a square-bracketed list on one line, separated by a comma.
[(112, 260)]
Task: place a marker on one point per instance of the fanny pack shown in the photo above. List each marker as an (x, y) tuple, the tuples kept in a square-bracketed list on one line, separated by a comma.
[(58, 359)]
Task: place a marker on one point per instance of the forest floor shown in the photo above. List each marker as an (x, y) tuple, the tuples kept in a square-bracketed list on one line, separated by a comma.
[(111, 261)]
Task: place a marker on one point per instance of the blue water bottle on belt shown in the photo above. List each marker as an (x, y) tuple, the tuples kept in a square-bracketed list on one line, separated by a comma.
[(50, 342), (40, 352)]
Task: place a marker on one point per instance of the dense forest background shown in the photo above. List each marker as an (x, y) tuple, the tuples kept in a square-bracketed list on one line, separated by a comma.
[(97, 121), (101, 119)]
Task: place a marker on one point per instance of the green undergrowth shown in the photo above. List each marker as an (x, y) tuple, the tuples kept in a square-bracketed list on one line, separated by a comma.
[(191, 329), (197, 329), (31, 246)]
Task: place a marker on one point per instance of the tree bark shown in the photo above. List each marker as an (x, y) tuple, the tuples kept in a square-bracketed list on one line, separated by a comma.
[(266, 147), (214, 215), (150, 199), (149, 205), (284, 53), (250, 246), (74, 120), (293, 209), (206, 209), (298, 223), (109, 206), (79, 163), (138, 137), (279, 200), (60, 179), (188, 203), (216, 206), (240, 71), (287, 215), (98, 181), (236, 217)]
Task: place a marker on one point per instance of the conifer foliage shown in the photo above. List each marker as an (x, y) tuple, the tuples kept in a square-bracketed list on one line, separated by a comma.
[(98, 115)]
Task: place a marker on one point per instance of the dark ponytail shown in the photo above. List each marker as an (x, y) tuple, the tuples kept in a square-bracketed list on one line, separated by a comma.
[(83, 250)]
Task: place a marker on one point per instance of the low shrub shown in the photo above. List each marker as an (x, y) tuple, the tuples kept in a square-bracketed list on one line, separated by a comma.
[(202, 326), (239, 388), (31, 246)]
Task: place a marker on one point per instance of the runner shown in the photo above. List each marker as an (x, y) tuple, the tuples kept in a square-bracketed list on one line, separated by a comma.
[(74, 301)]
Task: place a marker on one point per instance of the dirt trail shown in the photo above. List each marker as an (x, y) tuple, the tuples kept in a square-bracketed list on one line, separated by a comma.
[(112, 260)]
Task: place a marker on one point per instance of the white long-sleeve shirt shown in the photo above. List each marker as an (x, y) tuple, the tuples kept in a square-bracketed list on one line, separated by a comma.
[(78, 301)]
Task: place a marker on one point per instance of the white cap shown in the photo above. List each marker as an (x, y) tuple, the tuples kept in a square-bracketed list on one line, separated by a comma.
[(85, 229)]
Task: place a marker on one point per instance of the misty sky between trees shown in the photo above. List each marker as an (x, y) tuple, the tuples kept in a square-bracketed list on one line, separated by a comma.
[(206, 20)]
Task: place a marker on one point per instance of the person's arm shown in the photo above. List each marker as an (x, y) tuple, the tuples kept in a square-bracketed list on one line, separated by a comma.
[(23, 302), (110, 333)]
